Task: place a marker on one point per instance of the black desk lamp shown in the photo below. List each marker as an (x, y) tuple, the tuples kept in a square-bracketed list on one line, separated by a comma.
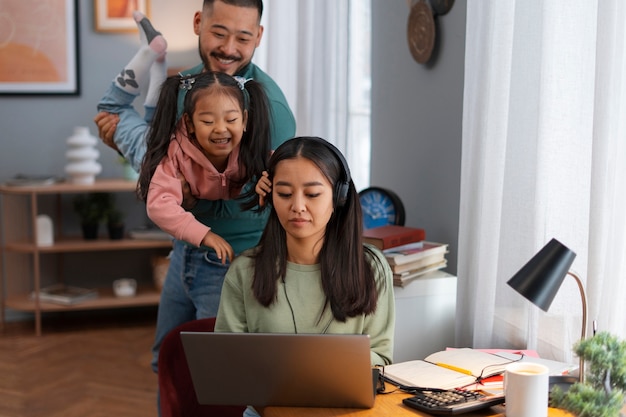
[(540, 279)]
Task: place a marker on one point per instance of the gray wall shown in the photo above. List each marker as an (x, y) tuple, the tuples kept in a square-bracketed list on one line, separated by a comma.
[(417, 119), (416, 109), (34, 129)]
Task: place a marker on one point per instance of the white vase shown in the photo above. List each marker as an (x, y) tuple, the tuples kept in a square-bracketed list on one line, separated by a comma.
[(82, 156), (45, 230)]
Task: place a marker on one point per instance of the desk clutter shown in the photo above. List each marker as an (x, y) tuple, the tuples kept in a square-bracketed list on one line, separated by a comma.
[(408, 253), (466, 368)]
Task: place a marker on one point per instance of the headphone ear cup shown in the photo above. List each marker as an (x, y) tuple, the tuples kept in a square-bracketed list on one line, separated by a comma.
[(341, 193)]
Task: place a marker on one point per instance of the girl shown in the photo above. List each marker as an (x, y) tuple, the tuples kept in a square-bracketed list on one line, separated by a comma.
[(311, 273), (218, 145)]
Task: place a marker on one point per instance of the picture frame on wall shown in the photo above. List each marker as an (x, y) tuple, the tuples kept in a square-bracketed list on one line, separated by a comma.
[(117, 15), (39, 53)]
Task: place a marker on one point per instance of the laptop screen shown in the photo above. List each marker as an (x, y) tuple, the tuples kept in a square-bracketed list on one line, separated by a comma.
[(297, 370)]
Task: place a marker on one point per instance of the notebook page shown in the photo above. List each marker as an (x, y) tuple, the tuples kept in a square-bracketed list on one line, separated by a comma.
[(474, 361), (418, 373)]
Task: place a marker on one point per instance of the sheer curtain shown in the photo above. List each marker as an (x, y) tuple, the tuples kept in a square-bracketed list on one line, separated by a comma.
[(318, 52), (544, 155)]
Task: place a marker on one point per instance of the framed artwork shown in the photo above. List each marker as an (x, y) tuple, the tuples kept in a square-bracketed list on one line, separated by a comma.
[(117, 15), (39, 47)]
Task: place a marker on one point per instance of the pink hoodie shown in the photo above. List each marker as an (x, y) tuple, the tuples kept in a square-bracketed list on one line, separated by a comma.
[(165, 194)]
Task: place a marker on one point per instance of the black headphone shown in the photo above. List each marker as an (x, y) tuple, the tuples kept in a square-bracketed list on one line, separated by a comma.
[(342, 187)]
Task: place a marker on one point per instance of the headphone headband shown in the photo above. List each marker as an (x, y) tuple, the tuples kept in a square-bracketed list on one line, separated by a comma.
[(342, 187)]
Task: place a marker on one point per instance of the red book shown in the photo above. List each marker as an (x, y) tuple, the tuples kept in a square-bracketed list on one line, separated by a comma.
[(390, 236)]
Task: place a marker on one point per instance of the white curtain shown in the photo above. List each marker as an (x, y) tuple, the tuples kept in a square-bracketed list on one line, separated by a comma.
[(312, 50), (544, 156)]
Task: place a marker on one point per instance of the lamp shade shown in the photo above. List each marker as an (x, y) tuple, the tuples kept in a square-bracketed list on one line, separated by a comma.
[(540, 279)]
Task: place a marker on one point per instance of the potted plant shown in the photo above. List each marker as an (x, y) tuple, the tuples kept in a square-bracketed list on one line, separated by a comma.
[(128, 173), (91, 209), (115, 223), (602, 393)]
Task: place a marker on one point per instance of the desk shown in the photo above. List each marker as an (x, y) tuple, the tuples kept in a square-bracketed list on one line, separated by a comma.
[(386, 405)]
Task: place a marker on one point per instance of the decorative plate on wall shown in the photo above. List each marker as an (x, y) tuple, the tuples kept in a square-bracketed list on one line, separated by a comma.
[(441, 7), (421, 31)]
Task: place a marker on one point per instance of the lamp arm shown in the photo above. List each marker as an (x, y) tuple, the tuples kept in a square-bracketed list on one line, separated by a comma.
[(583, 335)]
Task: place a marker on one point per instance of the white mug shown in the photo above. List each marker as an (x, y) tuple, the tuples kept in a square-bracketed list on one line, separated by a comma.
[(526, 390)]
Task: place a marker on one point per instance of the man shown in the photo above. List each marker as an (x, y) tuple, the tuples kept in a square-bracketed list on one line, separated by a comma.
[(228, 33)]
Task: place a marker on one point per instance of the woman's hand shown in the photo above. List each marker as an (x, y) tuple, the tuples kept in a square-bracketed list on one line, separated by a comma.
[(263, 187), (222, 248)]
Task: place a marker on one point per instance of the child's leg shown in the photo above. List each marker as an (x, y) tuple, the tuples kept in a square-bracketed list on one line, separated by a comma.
[(138, 69), (158, 73)]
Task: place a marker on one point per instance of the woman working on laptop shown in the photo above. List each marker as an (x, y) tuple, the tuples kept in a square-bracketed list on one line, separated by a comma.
[(310, 272)]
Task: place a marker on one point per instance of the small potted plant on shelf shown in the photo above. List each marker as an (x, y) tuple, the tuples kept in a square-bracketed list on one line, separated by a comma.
[(91, 208), (128, 173), (115, 223)]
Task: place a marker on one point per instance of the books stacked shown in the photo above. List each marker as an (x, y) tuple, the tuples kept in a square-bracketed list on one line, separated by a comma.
[(408, 253), (65, 294), (391, 236), (415, 259)]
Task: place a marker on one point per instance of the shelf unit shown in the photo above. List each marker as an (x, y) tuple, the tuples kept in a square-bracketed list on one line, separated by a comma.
[(21, 256)]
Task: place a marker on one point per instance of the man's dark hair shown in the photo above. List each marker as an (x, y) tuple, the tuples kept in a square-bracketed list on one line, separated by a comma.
[(257, 4)]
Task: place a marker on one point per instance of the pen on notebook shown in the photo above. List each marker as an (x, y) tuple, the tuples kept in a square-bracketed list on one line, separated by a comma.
[(454, 368)]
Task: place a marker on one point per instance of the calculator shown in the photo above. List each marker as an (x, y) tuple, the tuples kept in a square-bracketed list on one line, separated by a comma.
[(451, 402)]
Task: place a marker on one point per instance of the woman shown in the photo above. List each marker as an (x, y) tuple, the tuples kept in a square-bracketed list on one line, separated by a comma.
[(311, 273)]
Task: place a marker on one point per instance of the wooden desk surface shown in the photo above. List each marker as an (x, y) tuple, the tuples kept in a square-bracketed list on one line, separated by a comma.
[(387, 405)]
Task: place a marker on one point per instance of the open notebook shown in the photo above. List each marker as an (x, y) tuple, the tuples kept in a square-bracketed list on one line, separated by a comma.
[(463, 367), (298, 370)]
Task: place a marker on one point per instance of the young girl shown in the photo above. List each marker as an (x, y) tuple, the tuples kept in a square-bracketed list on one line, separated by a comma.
[(311, 273), (219, 144)]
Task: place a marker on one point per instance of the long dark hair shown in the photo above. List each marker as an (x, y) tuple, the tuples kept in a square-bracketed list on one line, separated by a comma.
[(348, 269), (255, 144)]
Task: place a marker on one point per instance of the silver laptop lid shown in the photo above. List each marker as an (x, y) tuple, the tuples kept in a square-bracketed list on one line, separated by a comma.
[(298, 370)]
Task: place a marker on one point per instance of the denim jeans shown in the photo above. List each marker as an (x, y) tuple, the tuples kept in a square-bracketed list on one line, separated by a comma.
[(192, 290), (250, 412)]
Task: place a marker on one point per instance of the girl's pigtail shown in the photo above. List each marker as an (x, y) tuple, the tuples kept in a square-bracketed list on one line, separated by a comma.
[(256, 143), (160, 131)]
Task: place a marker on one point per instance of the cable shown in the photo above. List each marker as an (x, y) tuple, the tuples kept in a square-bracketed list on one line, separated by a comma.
[(293, 316)]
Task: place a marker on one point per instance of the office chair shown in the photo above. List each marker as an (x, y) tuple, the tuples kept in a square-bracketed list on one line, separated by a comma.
[(176, 392)]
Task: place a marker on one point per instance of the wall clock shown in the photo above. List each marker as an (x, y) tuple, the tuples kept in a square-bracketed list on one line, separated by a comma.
[(381, 207)]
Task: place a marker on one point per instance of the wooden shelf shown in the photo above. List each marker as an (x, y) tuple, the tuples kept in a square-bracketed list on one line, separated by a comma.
[(81, 245), (146, 296), (22, 258), (107, 185)]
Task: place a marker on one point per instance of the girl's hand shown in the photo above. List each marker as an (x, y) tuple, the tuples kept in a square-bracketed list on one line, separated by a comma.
[(222, 248), (263, 187)]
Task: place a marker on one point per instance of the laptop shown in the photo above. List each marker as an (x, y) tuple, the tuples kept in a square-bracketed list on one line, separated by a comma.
[(294, 370)]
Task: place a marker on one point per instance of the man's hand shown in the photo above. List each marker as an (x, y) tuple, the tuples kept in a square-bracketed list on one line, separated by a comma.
[(263, 187), (107, 123)]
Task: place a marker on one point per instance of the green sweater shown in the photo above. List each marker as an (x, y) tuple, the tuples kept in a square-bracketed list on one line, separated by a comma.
[(239, 311)]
